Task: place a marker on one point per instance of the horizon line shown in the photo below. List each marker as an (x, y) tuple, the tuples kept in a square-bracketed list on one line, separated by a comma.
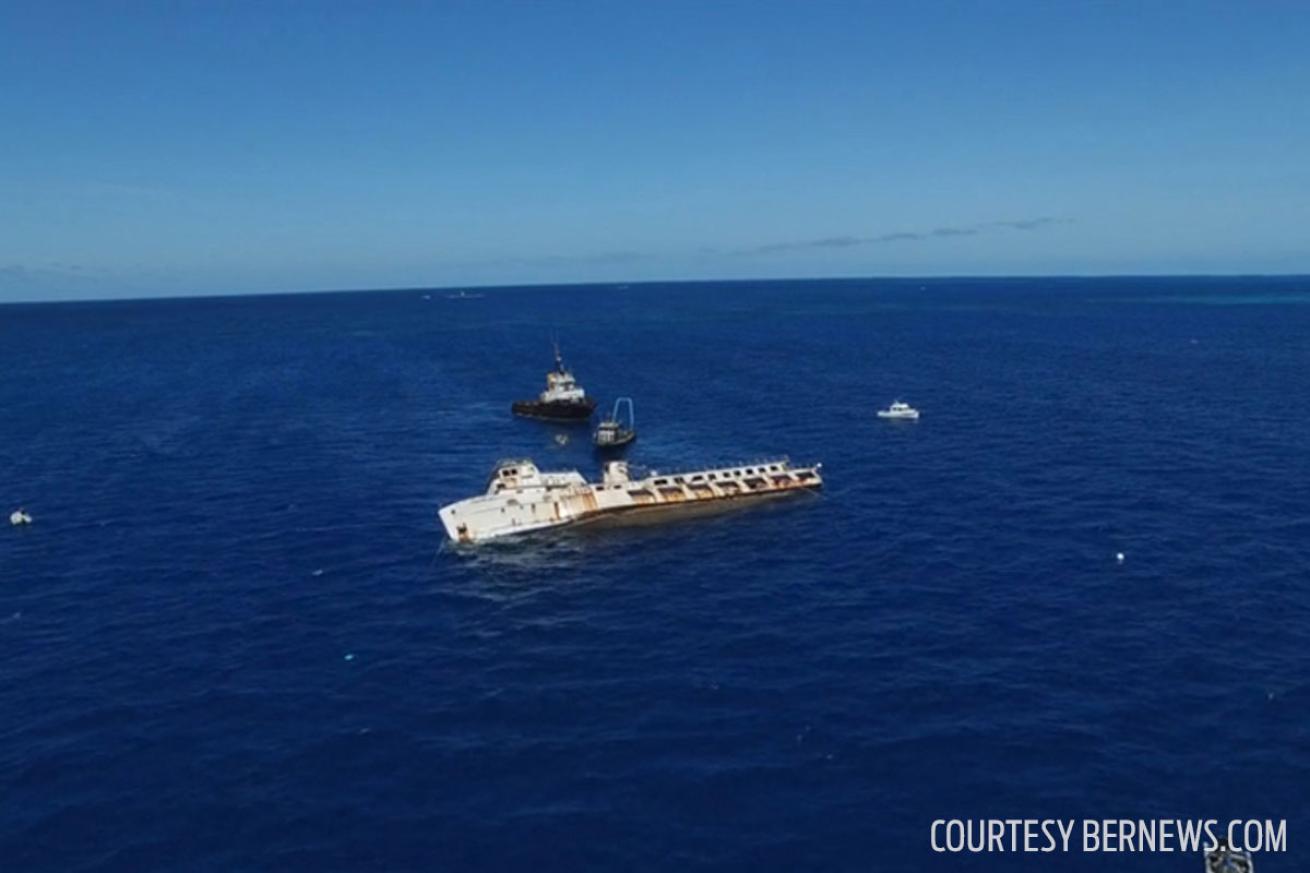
[(636, 282)]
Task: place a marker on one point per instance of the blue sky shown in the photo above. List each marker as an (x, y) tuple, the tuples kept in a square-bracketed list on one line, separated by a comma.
[(189, 148)]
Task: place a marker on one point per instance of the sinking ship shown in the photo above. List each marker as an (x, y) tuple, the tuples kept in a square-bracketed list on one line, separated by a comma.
[(521, 498), (563, 400)]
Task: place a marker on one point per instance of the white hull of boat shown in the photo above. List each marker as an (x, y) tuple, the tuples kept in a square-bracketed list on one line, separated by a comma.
[(531, 501)]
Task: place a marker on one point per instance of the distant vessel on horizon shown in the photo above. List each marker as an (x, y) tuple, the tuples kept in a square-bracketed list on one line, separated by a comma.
[(463, 295)]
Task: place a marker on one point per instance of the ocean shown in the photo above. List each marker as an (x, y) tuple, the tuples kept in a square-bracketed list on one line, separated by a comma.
[(234, 640)]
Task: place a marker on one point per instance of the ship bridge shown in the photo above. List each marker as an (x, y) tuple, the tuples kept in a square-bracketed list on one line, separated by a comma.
[(519, 474)]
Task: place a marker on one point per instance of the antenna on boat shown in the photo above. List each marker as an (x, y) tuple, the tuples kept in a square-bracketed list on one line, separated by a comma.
[(632, 416), (559, 360)]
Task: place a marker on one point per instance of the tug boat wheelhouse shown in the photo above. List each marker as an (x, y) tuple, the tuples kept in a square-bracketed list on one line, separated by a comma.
[(563, 400), (520, 498)]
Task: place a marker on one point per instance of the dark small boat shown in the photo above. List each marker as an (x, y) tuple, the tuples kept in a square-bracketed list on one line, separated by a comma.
[(563, 400), (612, 433)]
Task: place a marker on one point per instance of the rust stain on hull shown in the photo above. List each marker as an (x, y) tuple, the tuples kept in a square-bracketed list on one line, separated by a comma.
[(521, 498)]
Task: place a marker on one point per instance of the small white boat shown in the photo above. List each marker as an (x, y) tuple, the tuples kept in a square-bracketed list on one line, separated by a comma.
[(18, 517), (901, 411)]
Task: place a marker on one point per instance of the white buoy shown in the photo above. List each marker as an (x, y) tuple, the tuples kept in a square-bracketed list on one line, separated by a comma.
[(18, 517), (1119, 557)]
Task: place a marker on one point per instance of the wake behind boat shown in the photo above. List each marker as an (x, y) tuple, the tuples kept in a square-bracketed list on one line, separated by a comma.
[(521, 498), (563, 400)]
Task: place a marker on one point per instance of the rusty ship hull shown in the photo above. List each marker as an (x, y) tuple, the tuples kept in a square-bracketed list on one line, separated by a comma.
[(521, 499)]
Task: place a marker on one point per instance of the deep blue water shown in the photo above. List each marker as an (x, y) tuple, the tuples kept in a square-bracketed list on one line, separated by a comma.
[(233, 495)]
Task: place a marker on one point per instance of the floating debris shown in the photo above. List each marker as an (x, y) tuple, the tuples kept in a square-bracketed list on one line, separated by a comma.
[(350, 656), (1119, 557), (318, 572)]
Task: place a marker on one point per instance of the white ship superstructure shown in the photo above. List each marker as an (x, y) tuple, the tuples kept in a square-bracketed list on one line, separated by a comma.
[(521, 498)]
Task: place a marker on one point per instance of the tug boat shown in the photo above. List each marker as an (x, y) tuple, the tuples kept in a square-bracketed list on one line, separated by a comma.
[(612, 435), (521, 498), (563, 400), (901, 411)]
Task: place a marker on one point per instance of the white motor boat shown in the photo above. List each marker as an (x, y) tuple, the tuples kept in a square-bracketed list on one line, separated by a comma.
[(900, 411)]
